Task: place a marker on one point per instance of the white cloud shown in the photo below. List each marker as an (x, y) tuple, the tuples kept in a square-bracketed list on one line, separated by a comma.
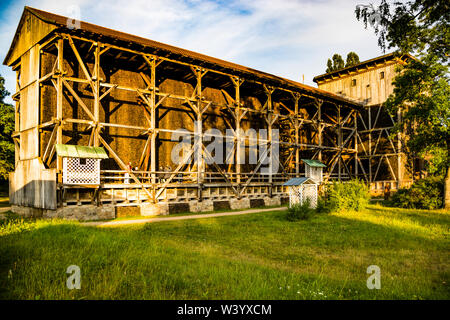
[(284, 37)]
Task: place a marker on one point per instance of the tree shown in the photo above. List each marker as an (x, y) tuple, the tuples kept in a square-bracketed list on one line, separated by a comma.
[(421, 89), (335, 63), (352, 59), (6, 129)]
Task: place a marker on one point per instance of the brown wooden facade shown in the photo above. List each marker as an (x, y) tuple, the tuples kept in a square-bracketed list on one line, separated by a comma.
[(95, 86), (370, 83)]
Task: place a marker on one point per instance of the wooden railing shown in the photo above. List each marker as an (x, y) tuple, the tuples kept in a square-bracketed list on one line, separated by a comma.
[(119, 177)]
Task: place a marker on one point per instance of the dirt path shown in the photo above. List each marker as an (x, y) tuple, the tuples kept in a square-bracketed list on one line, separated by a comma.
[(4, 209), (195, 216)]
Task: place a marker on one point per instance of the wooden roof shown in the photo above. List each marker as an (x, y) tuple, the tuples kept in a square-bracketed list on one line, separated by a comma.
[(363, 65), (298, 181), (75, 151), (314, 163), (59, 23)]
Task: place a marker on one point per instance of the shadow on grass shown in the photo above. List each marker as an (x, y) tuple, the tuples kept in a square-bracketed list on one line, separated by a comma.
[(246, 257)]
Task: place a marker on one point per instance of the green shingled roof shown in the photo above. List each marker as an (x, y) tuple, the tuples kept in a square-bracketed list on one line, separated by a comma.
[(314, 163), (72, 151), (299, 181)]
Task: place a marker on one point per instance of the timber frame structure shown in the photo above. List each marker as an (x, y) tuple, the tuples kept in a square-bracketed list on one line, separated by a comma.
[(99, 87), (370, 83)]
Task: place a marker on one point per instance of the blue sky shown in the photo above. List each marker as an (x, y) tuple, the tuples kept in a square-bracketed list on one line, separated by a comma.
[(289, 38)]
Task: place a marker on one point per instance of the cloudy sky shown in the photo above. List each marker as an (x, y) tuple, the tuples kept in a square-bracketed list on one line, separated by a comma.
[(289, 38)]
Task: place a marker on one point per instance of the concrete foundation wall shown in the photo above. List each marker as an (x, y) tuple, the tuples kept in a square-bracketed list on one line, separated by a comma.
[(80, 213), (106, 212)]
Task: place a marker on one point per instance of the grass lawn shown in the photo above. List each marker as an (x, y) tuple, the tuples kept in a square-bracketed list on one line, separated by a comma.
[(4, 197), (255, 256), (4, 202)]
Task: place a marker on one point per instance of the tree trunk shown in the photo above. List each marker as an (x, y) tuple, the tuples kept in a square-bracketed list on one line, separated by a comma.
[(447, 189)]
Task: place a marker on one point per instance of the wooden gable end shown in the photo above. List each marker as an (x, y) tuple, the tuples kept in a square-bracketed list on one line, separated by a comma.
[(30, 31)]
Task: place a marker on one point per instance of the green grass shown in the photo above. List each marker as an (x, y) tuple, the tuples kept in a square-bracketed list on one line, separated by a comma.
[(255, 256), (4, 202), (4, 197)]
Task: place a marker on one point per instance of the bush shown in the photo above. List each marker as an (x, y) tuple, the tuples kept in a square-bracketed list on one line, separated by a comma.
[(350, 195), (425, 193), (321, 205), (300, 211)]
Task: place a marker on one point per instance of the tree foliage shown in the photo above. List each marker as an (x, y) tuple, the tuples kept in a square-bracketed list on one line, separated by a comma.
[(419, 27), (352, 59), (421, 88), (349, 195), (335, 63), (425, 193), (6, 129)]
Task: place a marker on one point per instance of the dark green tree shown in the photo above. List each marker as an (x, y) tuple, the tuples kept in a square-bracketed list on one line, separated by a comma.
[(420, 27), (352, 59), (6, 129), (335, 63)]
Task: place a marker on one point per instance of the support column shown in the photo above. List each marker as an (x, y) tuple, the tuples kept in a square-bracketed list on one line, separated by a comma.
[(356, 143), (399, 152), (319, 120), (96, 80), (370, 143), (199, 73), (339, 141), (297, 140), (17, 120), (59, 98), (237, 113), (153, 133), (269, 120)]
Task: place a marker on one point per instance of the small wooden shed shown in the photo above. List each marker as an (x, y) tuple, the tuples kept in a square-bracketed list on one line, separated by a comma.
[(301, 189), (81, 164), (314, 170)]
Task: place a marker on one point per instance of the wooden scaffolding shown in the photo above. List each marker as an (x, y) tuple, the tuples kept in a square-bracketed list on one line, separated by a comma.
[(98, 87)]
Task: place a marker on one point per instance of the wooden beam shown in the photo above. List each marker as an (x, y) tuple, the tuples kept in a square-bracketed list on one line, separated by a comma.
[(81, 103), (80, 61), (124, 166)]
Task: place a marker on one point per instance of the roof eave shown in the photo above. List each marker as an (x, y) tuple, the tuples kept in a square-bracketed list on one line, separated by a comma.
[(389, 56), (199, 58)]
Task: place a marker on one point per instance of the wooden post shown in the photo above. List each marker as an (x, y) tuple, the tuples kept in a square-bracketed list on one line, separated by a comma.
[(153, 132), (237, 114), (96, 92), (59, 98), (238, 131), (199, 132), (339, 141), (356, 143), (370, 143), (17, 120), (399, 150), (296, 128), (319, 121), (269, 120)]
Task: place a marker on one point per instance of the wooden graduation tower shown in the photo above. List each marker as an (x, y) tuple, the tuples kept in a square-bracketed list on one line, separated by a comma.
[(96, 87)]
